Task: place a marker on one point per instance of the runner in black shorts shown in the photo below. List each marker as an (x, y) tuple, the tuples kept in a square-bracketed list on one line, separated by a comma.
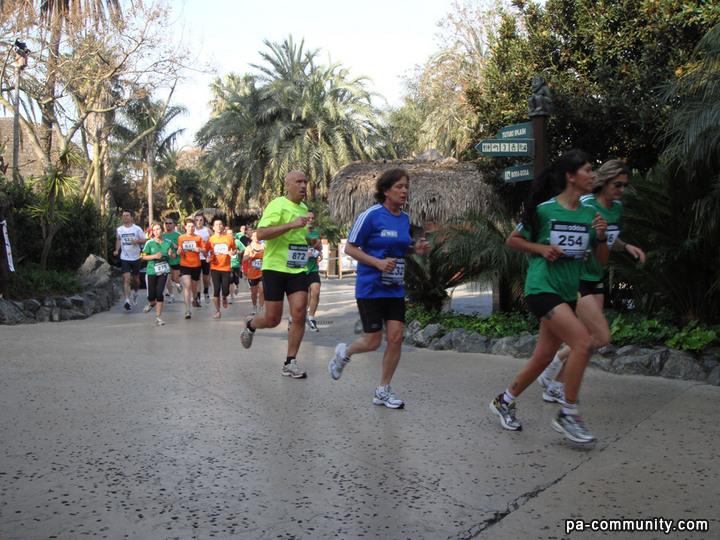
[(283, 227)]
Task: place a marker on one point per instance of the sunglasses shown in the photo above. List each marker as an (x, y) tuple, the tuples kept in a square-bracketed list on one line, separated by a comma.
[(169, 223), (621, 184), (199, 219)]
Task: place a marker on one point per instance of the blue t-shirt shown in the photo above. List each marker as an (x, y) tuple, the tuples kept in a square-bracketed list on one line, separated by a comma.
[(383, 235)]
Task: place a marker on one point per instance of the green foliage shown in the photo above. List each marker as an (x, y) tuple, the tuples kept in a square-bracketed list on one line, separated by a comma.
[(635, 329), (78, 236), (291, 114), (495, 326), (325, 225), (694, 337), (30, 282)]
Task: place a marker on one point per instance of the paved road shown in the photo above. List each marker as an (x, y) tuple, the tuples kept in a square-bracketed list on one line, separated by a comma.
[(115, 428)]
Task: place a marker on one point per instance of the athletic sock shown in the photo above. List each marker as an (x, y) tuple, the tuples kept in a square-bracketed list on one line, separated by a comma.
[(570, 408), (289, 359), (508, 397), (553, 385), (249, 327), (550, 370)]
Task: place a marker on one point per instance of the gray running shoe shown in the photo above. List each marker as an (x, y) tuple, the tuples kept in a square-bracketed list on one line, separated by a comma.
[(159, 321), (246, 337), (554, 395), (506, 412), (135, 298), (207, 298), (572, 426), (188, 315), (384, 396), (292, 370), (147, 308), (339, 361)]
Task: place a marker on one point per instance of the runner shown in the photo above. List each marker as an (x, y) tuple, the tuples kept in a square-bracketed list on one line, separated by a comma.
[(313, 272), (283, 226), (202, 230), (557, 229), (220, 247), (380, 240), (157, 252), (172, 235), (253, 255), (235, 270), (129, 242), (191, 246), (608, 187)]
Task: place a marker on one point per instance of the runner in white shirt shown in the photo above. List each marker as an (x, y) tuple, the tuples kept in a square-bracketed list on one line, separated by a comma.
[(129, 242)]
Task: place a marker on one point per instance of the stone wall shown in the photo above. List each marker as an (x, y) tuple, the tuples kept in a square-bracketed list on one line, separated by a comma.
[(101, 292), (662, 362)]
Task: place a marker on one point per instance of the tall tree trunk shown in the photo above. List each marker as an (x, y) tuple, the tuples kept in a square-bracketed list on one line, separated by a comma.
[(150, 162), (49, 231)]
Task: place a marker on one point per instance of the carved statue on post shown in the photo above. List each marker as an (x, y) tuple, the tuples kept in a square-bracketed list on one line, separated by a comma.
[(540, 98)]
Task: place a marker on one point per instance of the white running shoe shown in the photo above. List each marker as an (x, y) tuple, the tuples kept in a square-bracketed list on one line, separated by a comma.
[(384, 396), (338, 362), (159, 321)]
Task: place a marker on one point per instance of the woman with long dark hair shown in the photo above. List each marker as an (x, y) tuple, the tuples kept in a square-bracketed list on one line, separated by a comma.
[(610, 182), (557, 229)]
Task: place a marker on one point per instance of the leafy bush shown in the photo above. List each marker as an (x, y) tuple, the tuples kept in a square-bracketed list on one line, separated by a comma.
[(694, 337), (496, 325), (29, 282), (636, 329)]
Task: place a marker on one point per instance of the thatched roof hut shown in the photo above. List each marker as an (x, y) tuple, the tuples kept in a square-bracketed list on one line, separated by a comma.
[(439, 190)]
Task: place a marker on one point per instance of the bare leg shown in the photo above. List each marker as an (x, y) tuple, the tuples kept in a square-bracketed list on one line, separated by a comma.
[(314, 298)]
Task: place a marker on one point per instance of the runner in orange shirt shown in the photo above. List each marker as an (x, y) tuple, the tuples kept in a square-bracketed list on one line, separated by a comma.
[(220, 247), (253, 256), (190, 246)]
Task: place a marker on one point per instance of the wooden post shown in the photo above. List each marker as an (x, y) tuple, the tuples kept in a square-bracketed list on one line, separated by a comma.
[(540, 161), (540, 108)]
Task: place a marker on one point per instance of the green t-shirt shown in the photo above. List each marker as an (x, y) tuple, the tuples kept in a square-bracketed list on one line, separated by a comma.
[(235, 259), (287, 248), (173, 237), (593, 271), (312, 265), (572, 231), (151, 248)]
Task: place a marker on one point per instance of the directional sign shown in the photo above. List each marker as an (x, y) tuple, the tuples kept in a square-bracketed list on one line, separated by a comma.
[(518, 131), (518, 174), (507, 147)]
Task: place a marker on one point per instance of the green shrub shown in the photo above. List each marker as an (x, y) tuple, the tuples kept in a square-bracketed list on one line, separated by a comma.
[(496, 325), (694, 337), (29, 282)]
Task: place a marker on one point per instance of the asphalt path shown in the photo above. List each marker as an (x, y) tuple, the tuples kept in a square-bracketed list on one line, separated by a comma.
[(114, 427)]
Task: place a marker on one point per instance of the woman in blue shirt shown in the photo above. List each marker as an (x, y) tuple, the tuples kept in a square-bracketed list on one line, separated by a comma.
[(379, 241)]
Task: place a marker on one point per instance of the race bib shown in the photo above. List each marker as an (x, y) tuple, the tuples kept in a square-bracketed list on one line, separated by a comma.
[(220, 249), (257, 264), (162, 267), (189, 245), (612, 232), (297, 256), (397, 276), (573, 238), (127, 239)]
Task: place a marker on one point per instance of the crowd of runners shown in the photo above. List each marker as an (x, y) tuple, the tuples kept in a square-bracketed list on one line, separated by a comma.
[(571, 221)]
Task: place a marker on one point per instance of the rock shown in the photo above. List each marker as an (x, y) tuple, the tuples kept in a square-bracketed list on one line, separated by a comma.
[(429, 155), (602, 362), (424, 337), (55, 314), (94, 272), (683, 366), (525, 346), (48, 301), (607, 349), (474, 343), (459, 335), (31, 305), (714, 377), (627, 349), (75, 315), (634, 361), (709, 364), (413, 327), (10, 313), (505, 346), (43, 314), (63, 302), (657, 361), (444, 343)]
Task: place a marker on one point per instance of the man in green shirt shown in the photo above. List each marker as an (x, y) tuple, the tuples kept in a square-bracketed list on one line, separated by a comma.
[(283, 226), (171, 234), (313, 272)]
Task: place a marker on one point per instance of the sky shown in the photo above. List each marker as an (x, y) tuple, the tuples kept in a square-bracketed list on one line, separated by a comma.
[(381, 39)]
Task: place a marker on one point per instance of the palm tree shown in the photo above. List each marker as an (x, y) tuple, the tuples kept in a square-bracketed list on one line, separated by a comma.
[(146, 122), (293, 114)]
